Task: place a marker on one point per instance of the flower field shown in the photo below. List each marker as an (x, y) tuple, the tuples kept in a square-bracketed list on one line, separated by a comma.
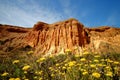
[(68, 66)]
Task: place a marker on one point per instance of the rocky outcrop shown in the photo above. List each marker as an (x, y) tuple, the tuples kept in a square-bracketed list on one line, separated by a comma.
[(53, 38), (104, 39), (12, 37), (56, 37)]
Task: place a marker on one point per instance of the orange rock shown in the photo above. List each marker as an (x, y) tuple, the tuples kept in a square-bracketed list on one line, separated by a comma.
[(51, 38)]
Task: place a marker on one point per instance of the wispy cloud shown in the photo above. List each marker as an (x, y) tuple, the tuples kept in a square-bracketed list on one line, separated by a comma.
[(68, 9), (27, 13), (74, 11), (23, 16)]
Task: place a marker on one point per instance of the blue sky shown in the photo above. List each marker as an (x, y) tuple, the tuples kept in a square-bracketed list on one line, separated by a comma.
[(89, 12)]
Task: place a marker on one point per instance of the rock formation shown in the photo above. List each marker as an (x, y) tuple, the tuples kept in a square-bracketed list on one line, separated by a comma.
[(54, 38), (104, 39)]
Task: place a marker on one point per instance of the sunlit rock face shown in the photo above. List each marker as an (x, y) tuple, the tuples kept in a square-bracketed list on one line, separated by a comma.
[(104, 39), (55, 38)]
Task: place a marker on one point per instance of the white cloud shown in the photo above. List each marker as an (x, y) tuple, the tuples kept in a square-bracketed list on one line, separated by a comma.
[(16, 15), (66, 6)]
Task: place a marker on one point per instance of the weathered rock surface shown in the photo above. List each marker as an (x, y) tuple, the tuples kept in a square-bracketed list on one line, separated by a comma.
[(12, 37), (56, 37), (53, 38), (104, 39)]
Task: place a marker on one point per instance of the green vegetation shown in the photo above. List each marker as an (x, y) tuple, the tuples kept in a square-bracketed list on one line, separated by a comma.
[(68, 66)]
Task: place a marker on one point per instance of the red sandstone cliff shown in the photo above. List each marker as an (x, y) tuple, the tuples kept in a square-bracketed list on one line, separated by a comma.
[(56, 37), (53, 38)]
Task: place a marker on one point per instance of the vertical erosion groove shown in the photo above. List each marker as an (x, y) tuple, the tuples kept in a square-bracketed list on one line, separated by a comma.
[(58, 36)]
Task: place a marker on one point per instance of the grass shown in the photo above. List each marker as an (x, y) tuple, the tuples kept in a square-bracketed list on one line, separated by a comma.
[(68, 66)]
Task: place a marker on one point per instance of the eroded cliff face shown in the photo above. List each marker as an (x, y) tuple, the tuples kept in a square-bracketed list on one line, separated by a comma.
[(104, 39), (55, 38), (12, 41)]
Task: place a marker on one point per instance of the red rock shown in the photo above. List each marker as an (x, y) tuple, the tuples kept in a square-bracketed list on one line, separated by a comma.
[(56, 37), (51, 38)]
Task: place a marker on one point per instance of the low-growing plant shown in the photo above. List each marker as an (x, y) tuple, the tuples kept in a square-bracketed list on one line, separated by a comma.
[(67, 66)]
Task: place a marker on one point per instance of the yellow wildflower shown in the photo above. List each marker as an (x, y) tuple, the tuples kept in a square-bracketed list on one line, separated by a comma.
[(40, 78), (69, 68), (110, 74), (25, 68), (40, 72), (96, 75), (30, 52), (4, 74), (51, 56), (116, 68), (17, 79), (63, 74), (26, 79), (108, 67), (68, 51), (102, 60), (92, 65), (83, 59), (50, 68), (110, 61), (85, 73), (40, 60), (81, 69), (66, 64), (57, 64), (25, 72), (85, 53), (84, 49), (116, 62), (71, 63), (63, 67), (35, 77), (97, 56), (77, 55), (79, 64), (52, 75), (100, 65), (16, 61), (96, 60), (56, 70)]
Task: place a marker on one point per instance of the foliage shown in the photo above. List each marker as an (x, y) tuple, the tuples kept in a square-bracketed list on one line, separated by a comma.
[(68, 66)]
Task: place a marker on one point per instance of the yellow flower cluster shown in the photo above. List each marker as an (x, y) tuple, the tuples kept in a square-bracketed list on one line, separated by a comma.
[(93, 66), (16, 61), (72, 63), (86, 53), (110, 74), (85, 73), (5, 74), (116, 62), (30, 52), (96, 75), (40, 60), (82, 59), (38, 72), (96, 60), (68, 50), (25, 68), (14, 79), (65, 67)]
